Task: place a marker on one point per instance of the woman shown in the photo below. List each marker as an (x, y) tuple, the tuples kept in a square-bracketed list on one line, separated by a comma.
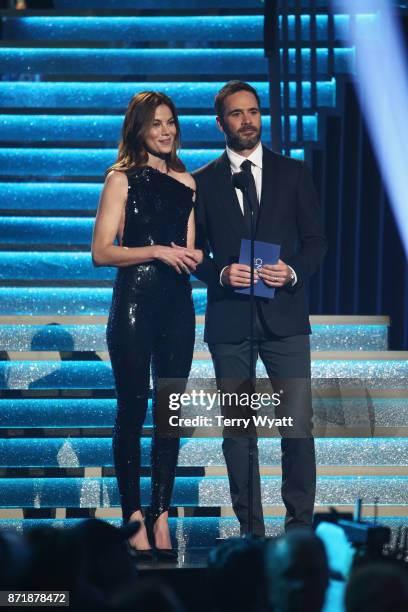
[(147, 205)]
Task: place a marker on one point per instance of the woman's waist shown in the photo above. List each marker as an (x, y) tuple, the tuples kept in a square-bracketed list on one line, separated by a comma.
[(147, 239), (154, 274)]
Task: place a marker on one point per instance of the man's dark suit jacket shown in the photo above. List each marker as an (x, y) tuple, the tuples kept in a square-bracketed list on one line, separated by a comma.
[(289, 215)]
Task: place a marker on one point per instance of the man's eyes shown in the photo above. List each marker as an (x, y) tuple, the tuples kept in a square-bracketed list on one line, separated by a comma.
[(238, 113)]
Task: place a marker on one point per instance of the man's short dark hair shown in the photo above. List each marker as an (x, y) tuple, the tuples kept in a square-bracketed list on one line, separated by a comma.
[(230, 88)]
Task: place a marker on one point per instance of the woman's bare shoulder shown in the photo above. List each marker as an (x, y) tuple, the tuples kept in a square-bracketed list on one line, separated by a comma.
[(116, 178), (187, 179)]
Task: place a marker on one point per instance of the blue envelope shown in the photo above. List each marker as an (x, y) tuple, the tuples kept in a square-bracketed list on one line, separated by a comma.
[(265, 253)]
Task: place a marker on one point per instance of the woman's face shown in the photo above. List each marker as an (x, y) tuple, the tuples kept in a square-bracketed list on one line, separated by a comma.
[(160, 137)]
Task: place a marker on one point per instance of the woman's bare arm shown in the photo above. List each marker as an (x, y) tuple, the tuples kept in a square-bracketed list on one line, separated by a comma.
[(191, 231), (198, 254), (108, 225)]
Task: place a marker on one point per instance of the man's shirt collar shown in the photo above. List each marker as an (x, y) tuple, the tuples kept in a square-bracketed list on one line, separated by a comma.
[(236, 159)]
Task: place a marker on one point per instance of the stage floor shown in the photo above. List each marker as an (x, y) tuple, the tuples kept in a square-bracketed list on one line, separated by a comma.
[(191, 558)]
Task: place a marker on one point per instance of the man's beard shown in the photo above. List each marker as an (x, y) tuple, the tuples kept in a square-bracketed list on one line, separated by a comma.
[(239, 141)]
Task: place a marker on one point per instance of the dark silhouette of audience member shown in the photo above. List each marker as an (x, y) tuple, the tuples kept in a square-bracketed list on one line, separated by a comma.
[(149, 596), (15, 559), (288, 574), (377, 587), (297, 572), (55, 566), (236, 575), (104, 561), (89, 560)]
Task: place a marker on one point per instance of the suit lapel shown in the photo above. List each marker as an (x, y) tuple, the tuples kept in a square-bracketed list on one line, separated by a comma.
[(228, 197), (269, 195)]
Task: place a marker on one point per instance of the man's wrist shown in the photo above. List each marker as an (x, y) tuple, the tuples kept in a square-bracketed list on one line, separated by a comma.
[(293, 277), (221, 273)]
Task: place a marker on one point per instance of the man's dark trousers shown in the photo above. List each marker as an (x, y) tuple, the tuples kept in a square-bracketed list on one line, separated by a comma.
[(287, 362)]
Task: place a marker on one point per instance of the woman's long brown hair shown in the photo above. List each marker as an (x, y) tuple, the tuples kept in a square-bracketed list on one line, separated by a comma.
[(138, 120)]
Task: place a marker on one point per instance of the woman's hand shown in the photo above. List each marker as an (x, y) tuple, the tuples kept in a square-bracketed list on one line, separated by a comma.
[(179, 258), (197, 254)]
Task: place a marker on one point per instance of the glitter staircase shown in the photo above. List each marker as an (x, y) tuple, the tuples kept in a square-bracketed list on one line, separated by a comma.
[(52, 374), (112, 96), (59, 333), (76, 471), (87, 130), (58, 135)]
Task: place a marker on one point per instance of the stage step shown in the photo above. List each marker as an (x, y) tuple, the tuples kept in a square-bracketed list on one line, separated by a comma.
[(80, 130), (115, 96), (41, 198), (193, 491), (20, 231), (162, 4), (198, 531), (371, 511), (203, 5), (64, 266), (163, 62), (74, 301), (60, 414), (93, 456), (389, 372), (50, 265), (92, 337), (68, 266), (27, 163), (131, 31), (187, 532), (335, 414)]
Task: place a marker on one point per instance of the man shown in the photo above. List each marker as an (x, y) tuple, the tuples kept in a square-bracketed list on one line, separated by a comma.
[(288, 215)]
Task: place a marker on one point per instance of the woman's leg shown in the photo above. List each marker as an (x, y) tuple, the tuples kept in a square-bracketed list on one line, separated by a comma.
[(129, 337), (171, 359)]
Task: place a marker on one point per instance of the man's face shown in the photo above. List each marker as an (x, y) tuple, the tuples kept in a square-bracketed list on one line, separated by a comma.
[(241, 121)]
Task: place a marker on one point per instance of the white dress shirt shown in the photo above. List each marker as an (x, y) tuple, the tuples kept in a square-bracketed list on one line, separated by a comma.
[(235, 160)]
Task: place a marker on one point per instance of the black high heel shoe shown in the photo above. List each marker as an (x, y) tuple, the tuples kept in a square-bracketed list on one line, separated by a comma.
[(145, 555), (169, 555)]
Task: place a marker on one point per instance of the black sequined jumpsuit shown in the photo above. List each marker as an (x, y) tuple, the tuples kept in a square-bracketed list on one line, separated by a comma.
[(151, 323)]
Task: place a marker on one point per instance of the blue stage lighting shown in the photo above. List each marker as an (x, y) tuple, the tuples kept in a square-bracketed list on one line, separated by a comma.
[(381, 79)]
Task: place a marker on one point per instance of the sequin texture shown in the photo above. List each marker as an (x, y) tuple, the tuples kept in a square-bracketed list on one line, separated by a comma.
[(150, 325)]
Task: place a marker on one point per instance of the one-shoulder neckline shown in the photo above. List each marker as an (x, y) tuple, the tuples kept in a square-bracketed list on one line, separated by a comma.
[(167, 175)]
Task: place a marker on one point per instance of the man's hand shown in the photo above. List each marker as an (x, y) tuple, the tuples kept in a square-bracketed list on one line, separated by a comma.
[(276, 275), (238, 275)]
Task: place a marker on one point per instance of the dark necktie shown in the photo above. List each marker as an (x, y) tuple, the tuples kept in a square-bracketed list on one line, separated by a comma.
[(246, 167)]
